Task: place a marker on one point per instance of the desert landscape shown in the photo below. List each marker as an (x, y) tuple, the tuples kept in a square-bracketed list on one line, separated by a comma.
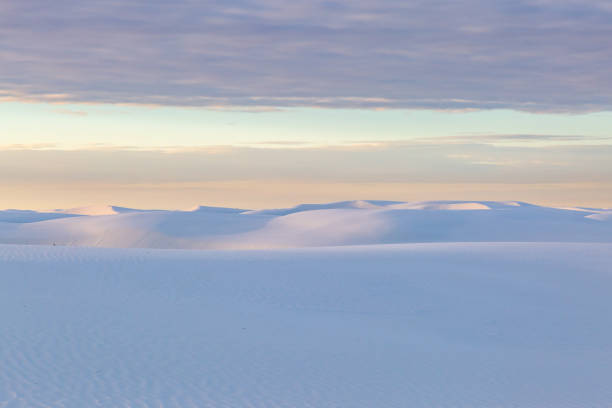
[(359, 304), (305, 204)]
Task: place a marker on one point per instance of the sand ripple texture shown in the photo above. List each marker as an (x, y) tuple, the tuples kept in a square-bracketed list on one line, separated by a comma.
[(411, 325)]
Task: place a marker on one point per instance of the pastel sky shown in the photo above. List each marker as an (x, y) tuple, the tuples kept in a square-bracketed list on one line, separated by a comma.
[(259, 103)]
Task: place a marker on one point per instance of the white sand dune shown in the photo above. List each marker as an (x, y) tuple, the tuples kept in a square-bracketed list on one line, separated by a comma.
[(309, 225), (97, 210), (27, 216), (448, 313), (412, 325), (601, 216)]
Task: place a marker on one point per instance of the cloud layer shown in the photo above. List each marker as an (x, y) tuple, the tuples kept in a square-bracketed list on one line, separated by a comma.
[(456, 162), (535, 55), (279, 177)]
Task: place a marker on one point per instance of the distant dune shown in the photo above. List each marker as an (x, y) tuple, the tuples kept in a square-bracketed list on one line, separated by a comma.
[(307, 225)]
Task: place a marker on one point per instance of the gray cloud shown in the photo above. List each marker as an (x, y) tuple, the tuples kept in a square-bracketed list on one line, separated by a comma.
[(534, 55)]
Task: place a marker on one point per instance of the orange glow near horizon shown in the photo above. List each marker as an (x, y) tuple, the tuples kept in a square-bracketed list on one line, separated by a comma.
[(275, 194)]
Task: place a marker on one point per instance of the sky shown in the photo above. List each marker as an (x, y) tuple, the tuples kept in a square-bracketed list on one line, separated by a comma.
[(264, 103)]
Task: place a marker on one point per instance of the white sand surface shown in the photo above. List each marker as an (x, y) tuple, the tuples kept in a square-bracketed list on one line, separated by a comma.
[(411, 325)]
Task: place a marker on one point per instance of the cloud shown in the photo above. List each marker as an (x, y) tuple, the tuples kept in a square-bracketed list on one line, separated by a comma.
[(525, 140), (533, 55), (385, 163), (70, 112), (30, 146)]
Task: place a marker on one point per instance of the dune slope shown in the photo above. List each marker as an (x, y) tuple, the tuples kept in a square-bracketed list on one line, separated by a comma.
[(313, 225)]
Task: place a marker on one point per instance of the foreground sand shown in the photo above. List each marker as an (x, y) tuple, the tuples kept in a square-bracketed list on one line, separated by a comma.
[(414, 325)]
